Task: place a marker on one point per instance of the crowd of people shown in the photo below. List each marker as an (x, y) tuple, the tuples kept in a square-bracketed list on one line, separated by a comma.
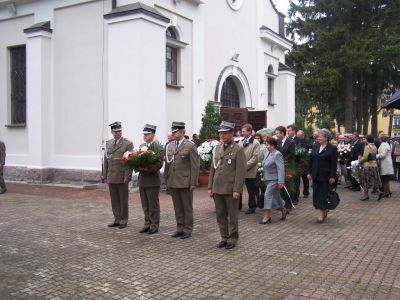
[(237, 161)]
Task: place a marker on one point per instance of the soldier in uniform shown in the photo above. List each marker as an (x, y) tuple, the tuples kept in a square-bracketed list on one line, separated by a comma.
[(149, 186), (181, 174), (227, 176), (2, 163), (117, 175)]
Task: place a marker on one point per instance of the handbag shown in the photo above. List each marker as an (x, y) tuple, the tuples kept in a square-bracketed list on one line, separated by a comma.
[(332, 200)]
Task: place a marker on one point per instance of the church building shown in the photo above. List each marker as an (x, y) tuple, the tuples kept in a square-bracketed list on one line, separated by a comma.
[(68, 68)]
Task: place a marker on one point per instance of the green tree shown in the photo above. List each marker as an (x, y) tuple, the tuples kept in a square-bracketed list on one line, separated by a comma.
[(211, 119), (346, 56)]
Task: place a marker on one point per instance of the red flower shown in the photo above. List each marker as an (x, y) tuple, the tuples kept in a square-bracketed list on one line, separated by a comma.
[(132, 154), (289, 175), (124, 158)]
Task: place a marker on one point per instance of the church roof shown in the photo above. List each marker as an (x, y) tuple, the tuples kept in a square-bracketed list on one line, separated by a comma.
[(136, 8)]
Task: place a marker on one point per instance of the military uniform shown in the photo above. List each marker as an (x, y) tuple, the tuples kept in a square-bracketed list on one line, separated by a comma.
[(116, 174), (2, 163), (227, 175), (149, 188), (181, 172)]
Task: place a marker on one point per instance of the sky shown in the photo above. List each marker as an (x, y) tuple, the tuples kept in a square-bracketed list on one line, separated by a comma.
[(282, 5)]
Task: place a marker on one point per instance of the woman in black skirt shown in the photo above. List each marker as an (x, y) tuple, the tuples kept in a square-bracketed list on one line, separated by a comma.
[(322, 171)]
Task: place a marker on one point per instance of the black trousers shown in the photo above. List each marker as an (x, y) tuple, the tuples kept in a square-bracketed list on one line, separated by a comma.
[(306, 184), (252, 190)]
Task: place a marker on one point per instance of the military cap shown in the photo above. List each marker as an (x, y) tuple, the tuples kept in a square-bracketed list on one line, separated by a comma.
[(177, 126), (116, 126), (226, 126), (148, 128)]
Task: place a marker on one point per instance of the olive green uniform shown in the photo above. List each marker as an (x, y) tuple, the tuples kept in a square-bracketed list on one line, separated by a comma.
[(181, 172), (227, 175), (149, 188), (115, 172)]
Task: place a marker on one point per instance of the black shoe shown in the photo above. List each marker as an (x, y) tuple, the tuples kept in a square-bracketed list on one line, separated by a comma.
[(240, 205), (295, 202), (222, 244), (177, 234), (186, 235), (380, 196), (356, 189), (250, 211), (152, 230), (364, 199), (284, 215), (306, 196), (3, 191), (113, 225), (144, 230), (122, 226), (230, 245)]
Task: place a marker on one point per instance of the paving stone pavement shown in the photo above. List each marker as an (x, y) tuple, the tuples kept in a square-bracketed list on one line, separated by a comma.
[(54, 244)]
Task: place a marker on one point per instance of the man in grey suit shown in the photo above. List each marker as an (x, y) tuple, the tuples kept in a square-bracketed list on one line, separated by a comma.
[(227, 175), (117, 175), (251, 152), (2, 163), (181, 175), (149, 186)]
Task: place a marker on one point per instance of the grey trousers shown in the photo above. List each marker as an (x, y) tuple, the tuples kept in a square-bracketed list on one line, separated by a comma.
[(227, 210), (150, 206), (119, 194), (183, 205)]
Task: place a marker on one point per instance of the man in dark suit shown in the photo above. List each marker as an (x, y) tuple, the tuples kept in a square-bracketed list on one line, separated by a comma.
[(286, 146), (358, 149), (291, 131), (149, 185), (304, 143)]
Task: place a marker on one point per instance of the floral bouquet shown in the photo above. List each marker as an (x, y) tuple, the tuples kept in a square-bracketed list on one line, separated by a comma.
[(290, 172), (143, 156), (301, 158), (260, 175), (205, 151), (345, 152)]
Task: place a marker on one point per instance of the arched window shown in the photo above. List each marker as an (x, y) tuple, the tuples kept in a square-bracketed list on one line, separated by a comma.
[(229, 93), (171, 59)]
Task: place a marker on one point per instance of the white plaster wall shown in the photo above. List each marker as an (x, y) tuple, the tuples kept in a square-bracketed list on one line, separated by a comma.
[(270, 17), (16, 139), (136, 75), (78, 96), (228, 32), (283, 113)]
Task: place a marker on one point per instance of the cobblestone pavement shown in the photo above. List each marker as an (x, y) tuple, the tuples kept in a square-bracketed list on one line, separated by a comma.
[(54, 244)]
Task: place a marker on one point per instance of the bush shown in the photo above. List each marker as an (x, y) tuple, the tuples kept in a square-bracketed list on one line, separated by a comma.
[(211, 119)]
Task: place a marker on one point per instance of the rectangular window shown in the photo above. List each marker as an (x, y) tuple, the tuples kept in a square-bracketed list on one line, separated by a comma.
[(18, 84), (396, 122), (270, 91), (171, 65)]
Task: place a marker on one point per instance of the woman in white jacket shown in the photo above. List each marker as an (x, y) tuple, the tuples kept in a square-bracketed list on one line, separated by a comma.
[(386, 165)]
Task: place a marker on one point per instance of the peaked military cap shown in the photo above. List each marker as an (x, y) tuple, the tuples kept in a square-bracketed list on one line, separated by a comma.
[(116, 126), (226, 126), (148, 128), (177, 126)]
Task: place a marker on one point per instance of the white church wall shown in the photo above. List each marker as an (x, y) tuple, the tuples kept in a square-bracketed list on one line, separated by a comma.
[(224, 39), (16, 139), (78, 91)]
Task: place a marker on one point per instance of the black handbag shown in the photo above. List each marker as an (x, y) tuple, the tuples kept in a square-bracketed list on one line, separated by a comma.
[(332, 200)]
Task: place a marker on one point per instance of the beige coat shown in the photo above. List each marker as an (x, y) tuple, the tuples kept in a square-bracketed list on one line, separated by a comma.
[(386, 165), (182, 165), (114, 170), (370, 148), (228, 169), (251, 152)]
